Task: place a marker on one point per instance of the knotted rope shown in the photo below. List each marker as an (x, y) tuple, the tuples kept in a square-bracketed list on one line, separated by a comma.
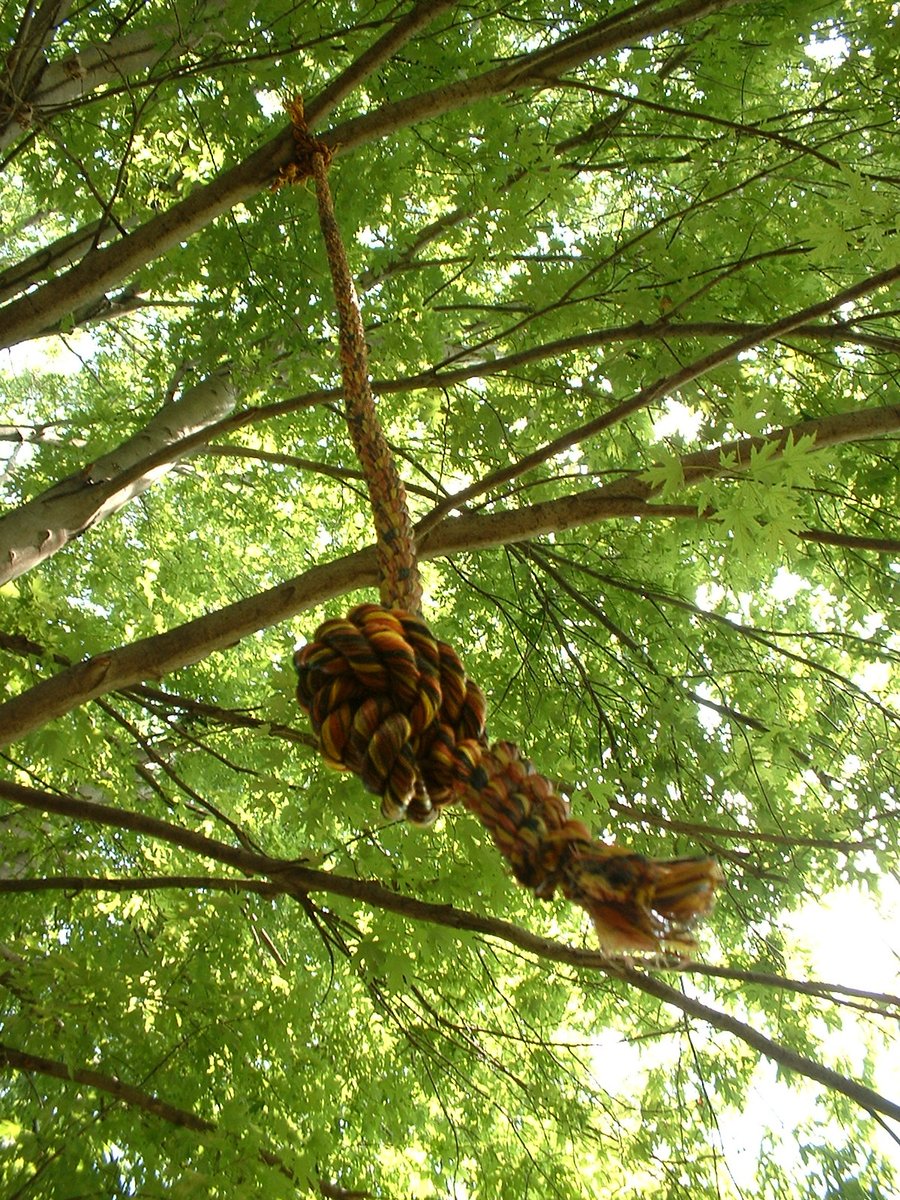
[(393, 704)]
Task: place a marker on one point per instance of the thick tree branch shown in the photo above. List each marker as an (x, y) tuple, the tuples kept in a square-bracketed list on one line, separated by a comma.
[(850, 541), (153, 657), (791, 1060), (26, 61), (161, 702), (636, 332), (435, 377), (535, 70), (104, 491), (105, 267), (418, 18), (64, 252), (75, 884), (301, 880)]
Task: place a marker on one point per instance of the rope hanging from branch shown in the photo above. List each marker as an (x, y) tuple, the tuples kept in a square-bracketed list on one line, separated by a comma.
[(393, 704)]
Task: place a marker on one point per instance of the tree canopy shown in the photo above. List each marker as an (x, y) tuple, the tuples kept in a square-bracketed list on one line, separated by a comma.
[(629, 281)]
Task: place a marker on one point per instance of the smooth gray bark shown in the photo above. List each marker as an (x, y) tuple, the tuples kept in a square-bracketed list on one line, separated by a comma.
[(34, 531), (56, 85), (26, 61)]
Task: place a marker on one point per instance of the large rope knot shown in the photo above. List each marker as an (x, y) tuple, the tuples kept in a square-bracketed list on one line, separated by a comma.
[(391, 703)]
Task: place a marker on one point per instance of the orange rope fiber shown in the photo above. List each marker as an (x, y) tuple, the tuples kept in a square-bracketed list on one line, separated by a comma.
[(391, 703)]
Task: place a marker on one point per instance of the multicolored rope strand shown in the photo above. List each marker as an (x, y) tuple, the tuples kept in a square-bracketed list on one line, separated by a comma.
[(400, 584), (391, 703)]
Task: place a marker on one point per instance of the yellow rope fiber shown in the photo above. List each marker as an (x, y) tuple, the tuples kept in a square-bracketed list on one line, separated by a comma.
[(393, 704)]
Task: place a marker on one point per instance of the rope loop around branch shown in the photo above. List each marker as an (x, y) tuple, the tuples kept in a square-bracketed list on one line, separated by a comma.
[(306, 147)]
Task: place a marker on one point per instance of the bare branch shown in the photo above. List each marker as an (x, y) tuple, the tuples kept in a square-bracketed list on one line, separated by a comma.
[(302, 880), (108, 266)]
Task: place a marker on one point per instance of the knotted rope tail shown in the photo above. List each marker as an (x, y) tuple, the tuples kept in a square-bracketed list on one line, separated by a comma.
[(391, 703)]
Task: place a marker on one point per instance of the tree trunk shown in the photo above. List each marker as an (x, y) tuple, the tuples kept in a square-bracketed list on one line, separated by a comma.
[(26, 63), (39, 528), (56, 85)]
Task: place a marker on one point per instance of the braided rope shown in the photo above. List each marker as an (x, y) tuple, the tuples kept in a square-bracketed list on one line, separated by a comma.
[(391, 703), (395, 542)]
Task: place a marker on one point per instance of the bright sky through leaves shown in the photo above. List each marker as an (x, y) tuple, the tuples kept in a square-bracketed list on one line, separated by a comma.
[(629, 275)]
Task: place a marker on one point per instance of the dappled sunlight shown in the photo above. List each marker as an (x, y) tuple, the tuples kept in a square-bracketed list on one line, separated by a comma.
[(610, 428)]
